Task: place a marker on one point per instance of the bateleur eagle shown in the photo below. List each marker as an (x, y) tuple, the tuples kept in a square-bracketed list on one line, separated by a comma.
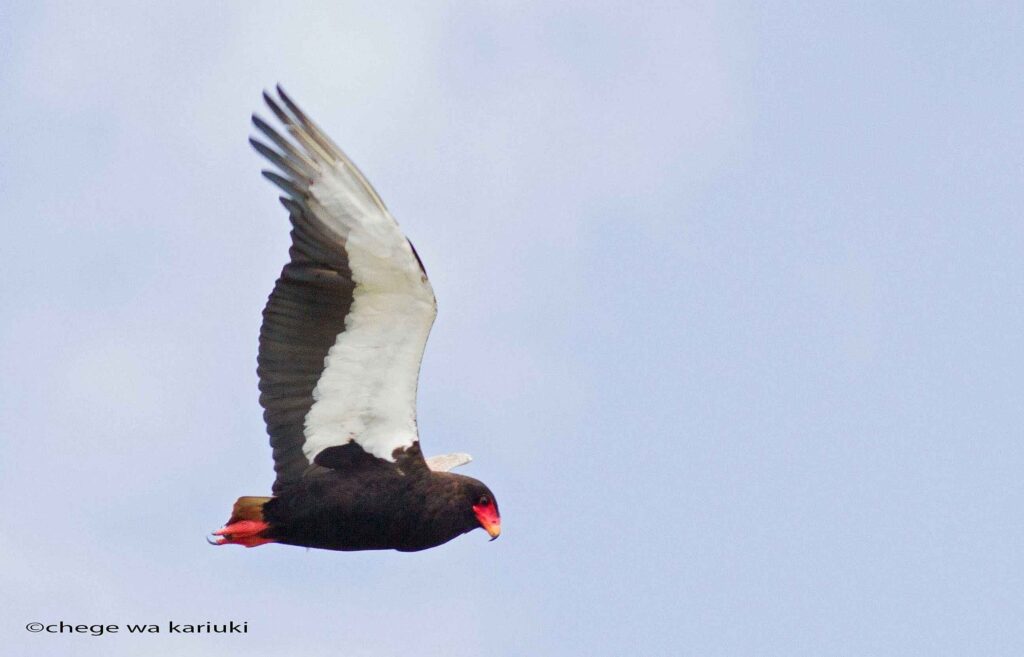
[(340, 349)]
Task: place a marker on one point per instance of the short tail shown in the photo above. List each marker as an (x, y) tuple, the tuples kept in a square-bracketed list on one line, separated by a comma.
[(246, 524)]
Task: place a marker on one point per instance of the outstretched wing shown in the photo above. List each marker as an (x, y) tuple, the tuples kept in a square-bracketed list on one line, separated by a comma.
[(344, 329)]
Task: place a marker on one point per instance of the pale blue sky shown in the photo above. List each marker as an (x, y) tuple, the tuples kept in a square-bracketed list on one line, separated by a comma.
[(730, 318)]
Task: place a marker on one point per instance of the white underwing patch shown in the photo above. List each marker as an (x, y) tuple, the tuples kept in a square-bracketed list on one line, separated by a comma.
[(367, 391)]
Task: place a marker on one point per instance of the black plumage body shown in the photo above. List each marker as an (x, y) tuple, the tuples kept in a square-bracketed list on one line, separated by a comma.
[(353, 501)]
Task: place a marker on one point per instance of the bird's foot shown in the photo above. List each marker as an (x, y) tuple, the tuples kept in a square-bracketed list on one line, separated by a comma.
[(243, 532)]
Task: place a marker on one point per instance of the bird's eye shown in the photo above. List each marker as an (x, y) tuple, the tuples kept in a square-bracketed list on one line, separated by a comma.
[(483, 501)]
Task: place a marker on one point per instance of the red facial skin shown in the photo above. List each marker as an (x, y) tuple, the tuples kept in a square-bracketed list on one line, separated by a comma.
[(487, 515)]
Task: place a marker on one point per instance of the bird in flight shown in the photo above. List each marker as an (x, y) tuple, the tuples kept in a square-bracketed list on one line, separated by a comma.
[(339, 357)]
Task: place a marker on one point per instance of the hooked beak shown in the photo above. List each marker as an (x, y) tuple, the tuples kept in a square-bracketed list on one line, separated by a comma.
[(489, 519)]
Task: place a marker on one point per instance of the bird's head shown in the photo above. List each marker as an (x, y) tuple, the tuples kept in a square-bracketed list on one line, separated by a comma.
[(485, 508)]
